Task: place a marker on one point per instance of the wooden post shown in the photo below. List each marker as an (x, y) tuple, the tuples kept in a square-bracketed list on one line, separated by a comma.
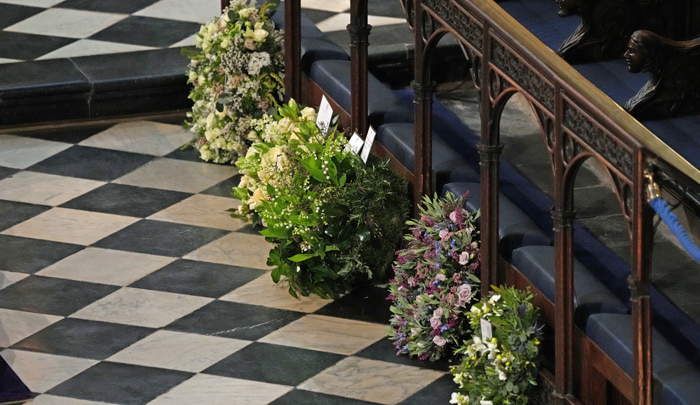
[(422, 104), (224, 4), (292, 50), (489, 152), (359, 33), (642, 243)]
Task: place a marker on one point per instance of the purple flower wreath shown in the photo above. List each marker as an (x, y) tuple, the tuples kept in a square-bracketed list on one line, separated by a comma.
[(435, 279)]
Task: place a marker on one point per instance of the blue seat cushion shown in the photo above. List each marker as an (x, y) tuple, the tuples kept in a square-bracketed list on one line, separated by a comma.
[(590, 295), (315, 45), (540, 17), (613, 78), (681, 134), (677, 379), (515, 228), (398, 138), (333, 76)]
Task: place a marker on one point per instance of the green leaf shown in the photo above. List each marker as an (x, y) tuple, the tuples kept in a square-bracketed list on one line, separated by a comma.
[(301, 257), (363, 233), (293, 293), (240, 193), (331, 248), (333, 211), (276, 273), (312, 166), (277, 232), (342, 180)]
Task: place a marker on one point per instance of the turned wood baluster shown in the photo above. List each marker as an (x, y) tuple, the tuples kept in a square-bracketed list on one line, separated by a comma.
[(359, 33), (292, 50), (224, 4)]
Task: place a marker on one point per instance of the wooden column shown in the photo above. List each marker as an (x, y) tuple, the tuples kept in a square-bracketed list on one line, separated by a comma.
[(359, 33), (224, 4), (639, 281), (563, 218), (423, 111), (489, 152), (292, 50)]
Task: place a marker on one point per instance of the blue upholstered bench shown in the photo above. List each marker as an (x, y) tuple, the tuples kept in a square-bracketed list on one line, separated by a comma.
[(677, 380), (590, 295), (540, 17)]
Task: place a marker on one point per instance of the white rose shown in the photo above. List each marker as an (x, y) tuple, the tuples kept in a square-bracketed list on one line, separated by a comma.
[(193, 75), (211, 120), (309, 114), (205, 153), (225, 43), (245, 13)]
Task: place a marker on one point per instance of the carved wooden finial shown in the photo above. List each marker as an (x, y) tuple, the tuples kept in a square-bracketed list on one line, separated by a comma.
[(673, 88)]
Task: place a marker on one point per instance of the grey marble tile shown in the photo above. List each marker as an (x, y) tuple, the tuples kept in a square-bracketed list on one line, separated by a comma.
[(192, 177), (66, 23), (216, 390), (19, 152), (41, 371)]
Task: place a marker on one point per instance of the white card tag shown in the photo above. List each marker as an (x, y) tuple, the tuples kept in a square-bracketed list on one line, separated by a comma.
[(485, 402), (369, 140), (325, 114), (355, 143), (486, 329)]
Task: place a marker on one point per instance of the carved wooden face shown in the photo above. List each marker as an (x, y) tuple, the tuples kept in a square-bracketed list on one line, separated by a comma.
[(635, 57), (567, 7)]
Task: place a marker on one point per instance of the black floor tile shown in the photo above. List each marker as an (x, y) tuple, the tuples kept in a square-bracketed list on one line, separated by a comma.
[(317, 16), (234, 320), (301, 397), (53, 296), (17, 45), (20, 213), (120, 383), (147, 31), (7, 172), (121, 199), (438, 392), (367, 303), (385, 9), (92, 163), (383, 350), (251, 229), (67, 135), (25, 255), (273, 364), (161, 238), (188, 153), (198, 278), (83, 338), (108, 6), (12, 388), (11, 14), (224, 188)]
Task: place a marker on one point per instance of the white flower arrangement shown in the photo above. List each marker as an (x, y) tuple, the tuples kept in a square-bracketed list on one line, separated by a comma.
[(237, 76)]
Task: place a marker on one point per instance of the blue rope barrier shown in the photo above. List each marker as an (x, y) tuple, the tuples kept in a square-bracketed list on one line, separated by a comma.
[(664, 211)]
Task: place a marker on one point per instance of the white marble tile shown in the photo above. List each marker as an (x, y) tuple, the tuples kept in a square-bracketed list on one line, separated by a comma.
[(46, 399), (236, 249), (66, 23), (215, 390), (33, 3), (200, 11), (41, 371), (151, 138), (133, 306), (5, 60), (340, 21), (334, 6), (17, 325), (44, 189), (19, 152), (86, 47), (371, 380), (8, 278), (189, 41), (192, 177), (70, 226), (202, 210), (327, 334), (263, 291), (105, 266), (179, 351)]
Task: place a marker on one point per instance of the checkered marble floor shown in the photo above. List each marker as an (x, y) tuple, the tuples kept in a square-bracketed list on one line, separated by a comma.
[(51, 29), (123, 280)]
